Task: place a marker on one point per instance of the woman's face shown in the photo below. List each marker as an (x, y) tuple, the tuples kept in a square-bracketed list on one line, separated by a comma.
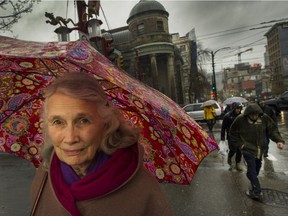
[(74, 128)]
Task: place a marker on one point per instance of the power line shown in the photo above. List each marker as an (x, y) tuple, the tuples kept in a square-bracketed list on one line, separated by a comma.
[(243, 27), (283, 19), (222, 35), (209, 34), (67, 5), (106, 20), (234, 42), (231, 61)]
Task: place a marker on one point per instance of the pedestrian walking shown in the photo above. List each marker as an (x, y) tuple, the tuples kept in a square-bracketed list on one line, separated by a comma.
[(271, 113), (248, 130), (227, 109), (92, 162), (225, 127), (210, 116)]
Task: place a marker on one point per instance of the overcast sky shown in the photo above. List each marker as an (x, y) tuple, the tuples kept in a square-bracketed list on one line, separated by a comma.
[(217, 24)]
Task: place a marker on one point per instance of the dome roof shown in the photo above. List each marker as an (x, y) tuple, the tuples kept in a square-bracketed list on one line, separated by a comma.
[(146, 6)]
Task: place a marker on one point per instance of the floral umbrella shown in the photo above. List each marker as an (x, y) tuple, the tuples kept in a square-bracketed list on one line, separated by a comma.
[(174, 143)]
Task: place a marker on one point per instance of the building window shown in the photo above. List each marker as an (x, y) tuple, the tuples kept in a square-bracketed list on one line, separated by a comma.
[(182, 48), (140, 28), (160, 26)]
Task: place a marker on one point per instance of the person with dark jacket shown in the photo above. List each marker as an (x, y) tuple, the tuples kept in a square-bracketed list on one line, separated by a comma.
[(233, 147), (248, 131), (270, 112), (92, 161), (227, 109)]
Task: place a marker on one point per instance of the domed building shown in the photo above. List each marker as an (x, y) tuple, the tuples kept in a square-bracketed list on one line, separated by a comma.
[(147, 49)]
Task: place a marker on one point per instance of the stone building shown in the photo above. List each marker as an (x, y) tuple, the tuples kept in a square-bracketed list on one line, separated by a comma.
[(147, 49)]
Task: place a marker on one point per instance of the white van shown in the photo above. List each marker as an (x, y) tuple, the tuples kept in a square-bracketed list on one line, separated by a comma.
[(196, 111)]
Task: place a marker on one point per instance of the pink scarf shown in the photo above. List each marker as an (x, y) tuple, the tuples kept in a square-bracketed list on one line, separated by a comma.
[(118, 169)]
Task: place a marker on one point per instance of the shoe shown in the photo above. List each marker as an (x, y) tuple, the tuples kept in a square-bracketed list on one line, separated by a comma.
[(238, 167), (229, 161), (265, 155), (251, 194)]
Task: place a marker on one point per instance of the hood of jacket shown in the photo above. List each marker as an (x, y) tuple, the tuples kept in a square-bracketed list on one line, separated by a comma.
[(253, 109)]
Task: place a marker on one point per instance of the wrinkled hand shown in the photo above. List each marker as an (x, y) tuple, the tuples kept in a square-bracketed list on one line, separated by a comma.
[(280, 145)]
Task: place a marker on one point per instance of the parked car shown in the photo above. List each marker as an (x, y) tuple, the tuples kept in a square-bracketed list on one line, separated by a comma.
[(196, 111), (278, 104)]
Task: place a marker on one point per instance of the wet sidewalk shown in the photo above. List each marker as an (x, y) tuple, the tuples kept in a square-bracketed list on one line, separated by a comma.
[(219, 192), (15, 178), (214, 190)]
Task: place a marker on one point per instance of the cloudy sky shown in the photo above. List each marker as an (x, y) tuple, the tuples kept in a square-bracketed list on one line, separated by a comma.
[(217, 24)]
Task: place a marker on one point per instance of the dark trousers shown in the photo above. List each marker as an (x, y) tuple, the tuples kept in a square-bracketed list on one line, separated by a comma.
[(210, 124), (253, 169), (233, 148), (266, 142)]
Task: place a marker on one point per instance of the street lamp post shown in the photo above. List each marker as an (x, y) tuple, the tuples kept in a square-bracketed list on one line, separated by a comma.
[(88, 27), (214, 86)]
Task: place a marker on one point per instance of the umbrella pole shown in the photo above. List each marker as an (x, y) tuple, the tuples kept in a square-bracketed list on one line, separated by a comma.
[(39, 194)]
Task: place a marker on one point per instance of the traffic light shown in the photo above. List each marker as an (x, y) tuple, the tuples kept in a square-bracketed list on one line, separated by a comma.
[(213, 88), (120, 61), (108, 49), (213, 92)]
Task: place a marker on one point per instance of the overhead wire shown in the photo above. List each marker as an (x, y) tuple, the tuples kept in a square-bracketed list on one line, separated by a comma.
[(244, 38), (67, 5), (232, 61), (243, 27), (228, 32), (106, 20), (209, 34)]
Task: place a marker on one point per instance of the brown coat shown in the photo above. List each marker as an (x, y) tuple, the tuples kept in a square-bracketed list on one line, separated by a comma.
[(139, 196)]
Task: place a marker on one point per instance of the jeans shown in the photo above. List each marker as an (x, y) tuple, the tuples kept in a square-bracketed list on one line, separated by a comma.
[(233, 148), (253, 169)]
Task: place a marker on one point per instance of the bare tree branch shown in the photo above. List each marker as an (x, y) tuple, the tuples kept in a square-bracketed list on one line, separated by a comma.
[(11, 12)]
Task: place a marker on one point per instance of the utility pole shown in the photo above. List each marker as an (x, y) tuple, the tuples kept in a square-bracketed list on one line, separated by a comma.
[(214, 86)]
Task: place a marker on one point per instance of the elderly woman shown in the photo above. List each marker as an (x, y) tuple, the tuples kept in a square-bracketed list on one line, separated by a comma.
[(92, 164)]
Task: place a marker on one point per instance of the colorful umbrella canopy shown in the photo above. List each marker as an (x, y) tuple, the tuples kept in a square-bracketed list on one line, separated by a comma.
[(174, 143), (235, 99)]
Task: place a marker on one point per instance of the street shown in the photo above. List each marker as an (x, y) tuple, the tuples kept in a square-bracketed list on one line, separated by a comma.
[(214, 190)]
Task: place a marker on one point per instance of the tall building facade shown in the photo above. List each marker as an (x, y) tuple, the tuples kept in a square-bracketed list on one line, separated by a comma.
[(183, 45), (277, 47)]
